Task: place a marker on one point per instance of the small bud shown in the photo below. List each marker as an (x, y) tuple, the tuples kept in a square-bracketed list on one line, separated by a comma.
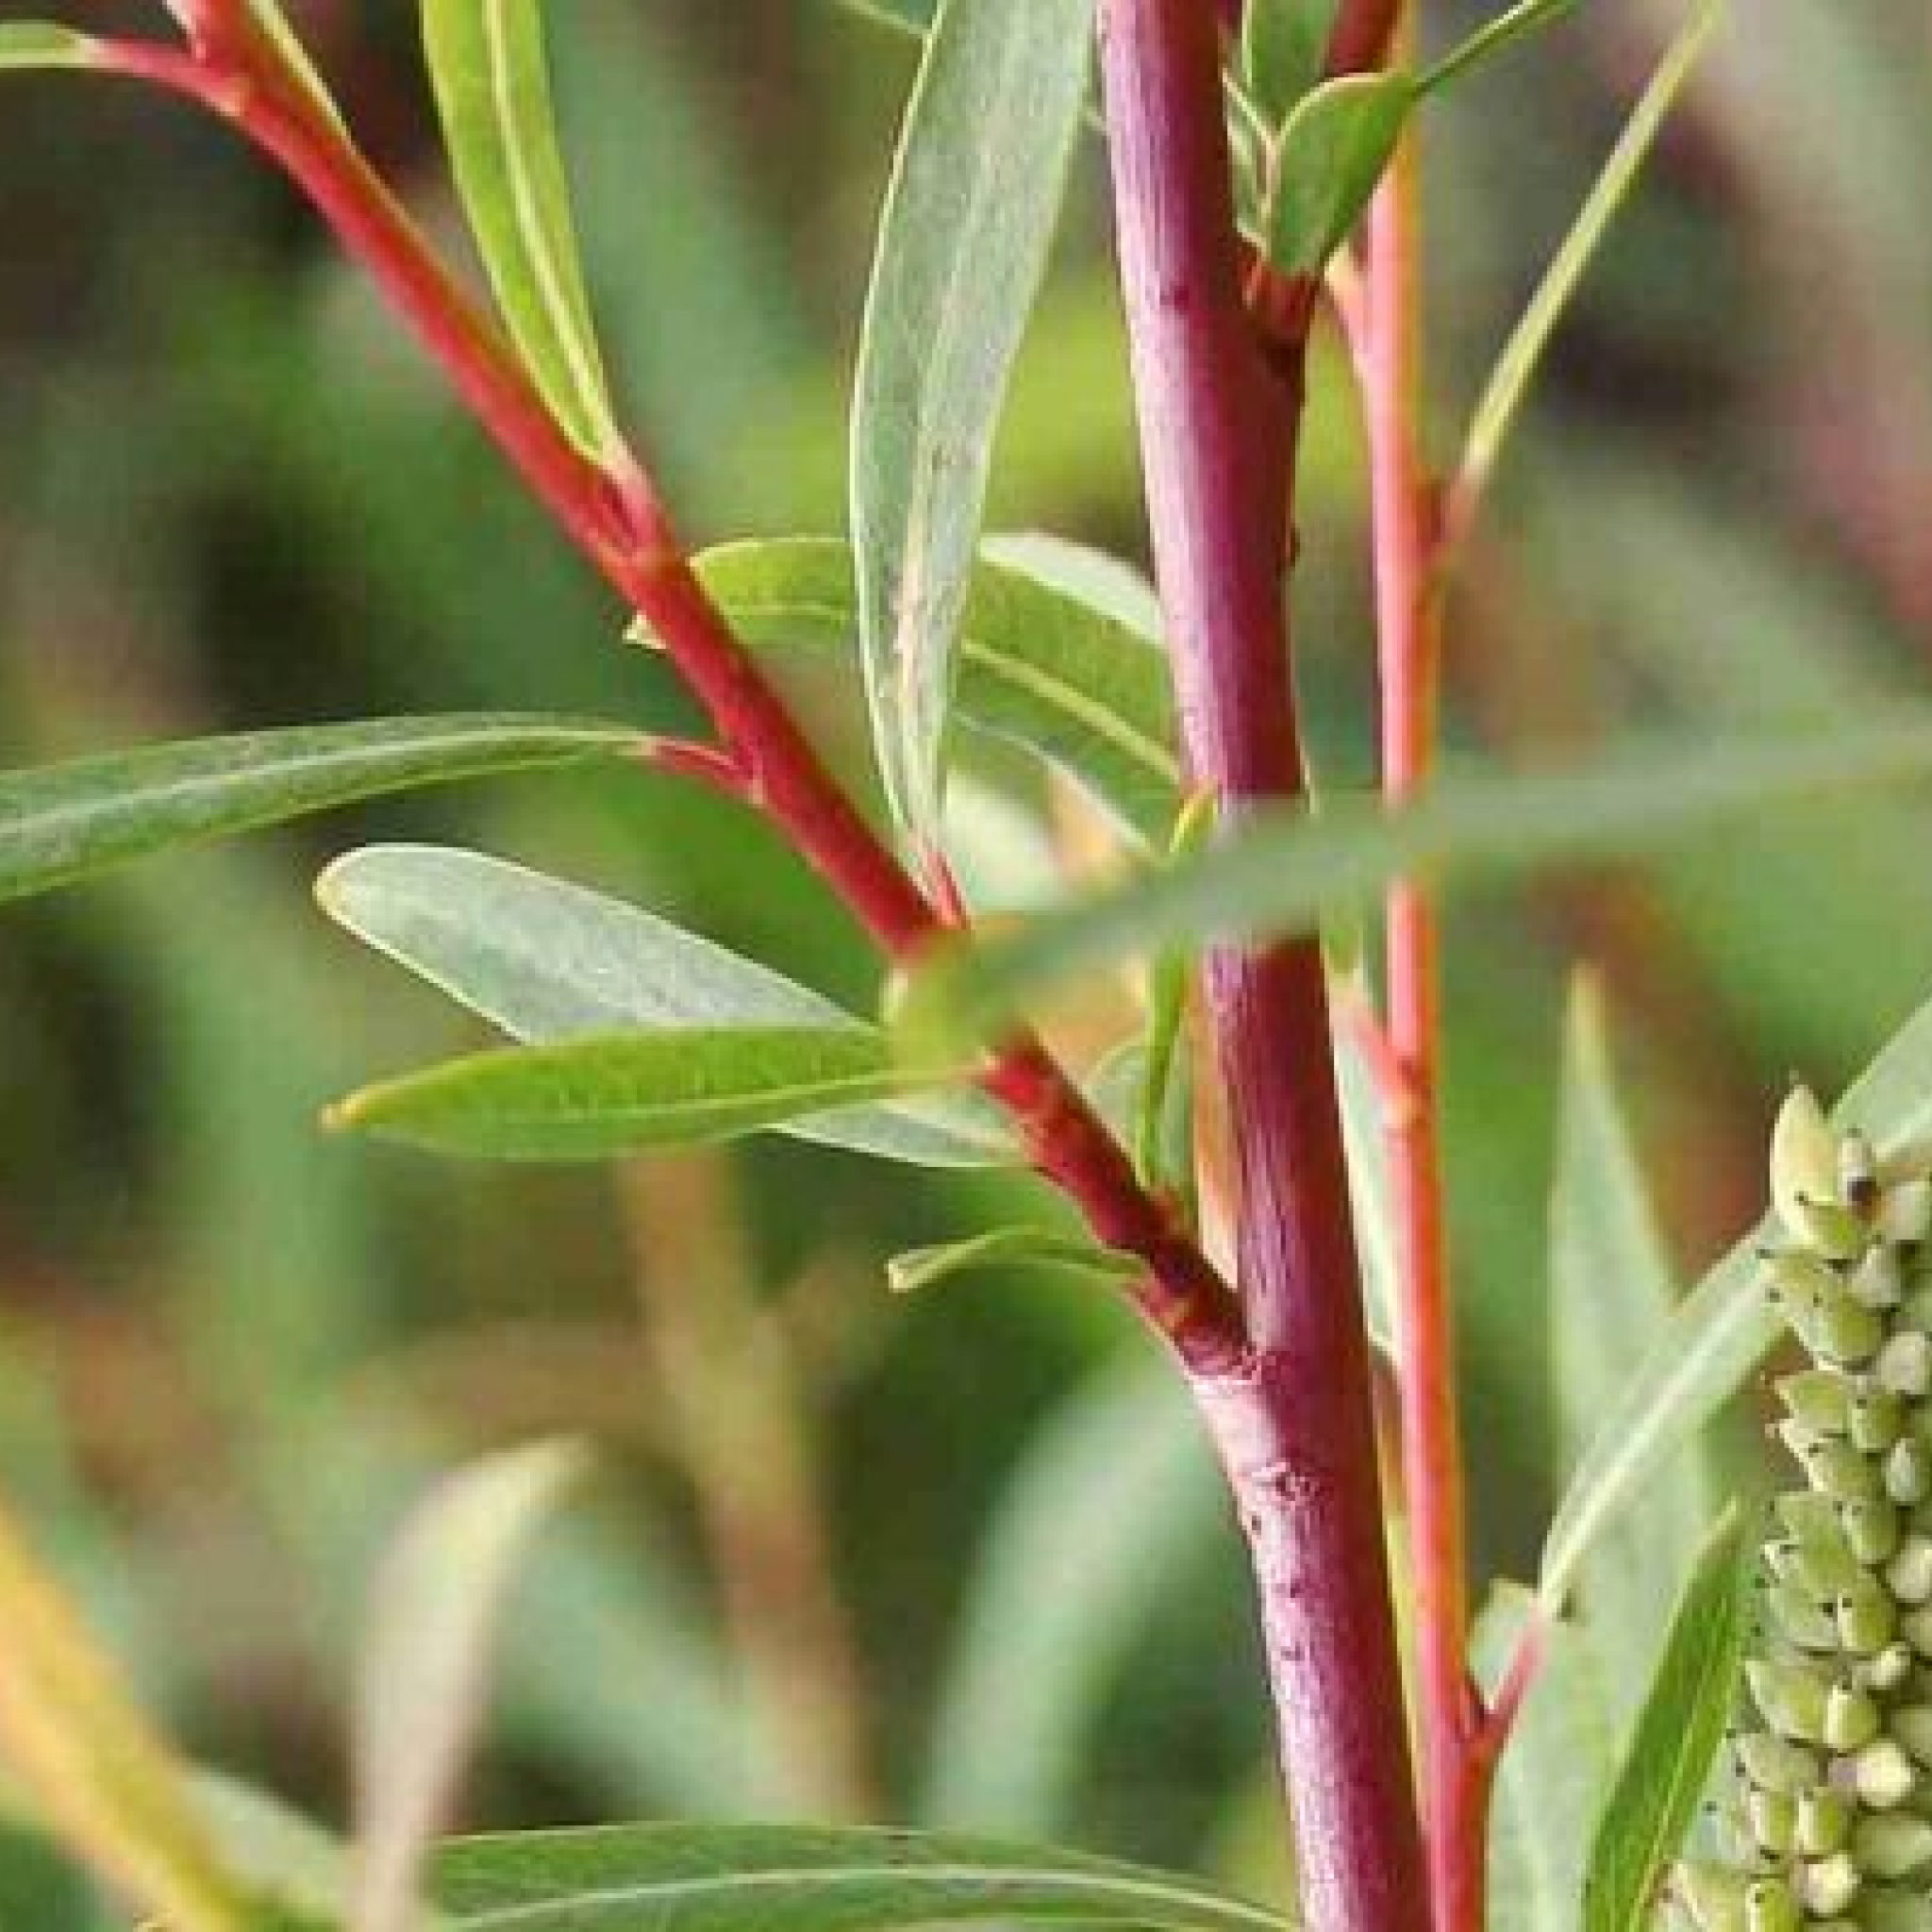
[(1911, 1725), (1857, 1171), (1903, 1363), (1820, 1399), (1849, 1720), (1774, 1821), (1829, 1885), (1833, 1467), (1905, 1215), (1908, 1575), (1866, 1622), (1802, 1620), (1713, 1897), (1883, 1777), (1776, 1763), (1875, 1419), (1845, 1331), (1915, 1626), (1804, 1159), (1824, 1823), (1812, 1520), (1892, 1845), (1908, 1472), (1792, 1700), (1887, 1671), (1871, 1530), (1878, 1280)]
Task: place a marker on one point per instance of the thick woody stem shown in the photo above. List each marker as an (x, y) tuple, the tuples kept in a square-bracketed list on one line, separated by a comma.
[(1218, 433)]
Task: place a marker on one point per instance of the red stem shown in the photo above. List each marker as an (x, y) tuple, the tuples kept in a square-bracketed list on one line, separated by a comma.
[(1408, 649), (1218, 435), (616, 519)]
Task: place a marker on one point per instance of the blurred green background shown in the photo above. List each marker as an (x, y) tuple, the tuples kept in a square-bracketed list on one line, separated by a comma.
[(815, 1577)]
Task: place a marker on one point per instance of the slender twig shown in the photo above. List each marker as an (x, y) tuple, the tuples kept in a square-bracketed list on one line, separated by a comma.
[(1408, 651), (615, 517), (1218, 422)]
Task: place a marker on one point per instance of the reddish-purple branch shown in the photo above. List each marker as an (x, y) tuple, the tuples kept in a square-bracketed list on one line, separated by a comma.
[(1218, 432), (615, 518)]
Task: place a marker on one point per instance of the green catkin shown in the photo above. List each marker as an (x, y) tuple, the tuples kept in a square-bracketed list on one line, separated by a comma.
[(1831, 1815)]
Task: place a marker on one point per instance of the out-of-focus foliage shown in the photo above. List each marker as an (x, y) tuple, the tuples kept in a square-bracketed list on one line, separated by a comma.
[(231, 496)]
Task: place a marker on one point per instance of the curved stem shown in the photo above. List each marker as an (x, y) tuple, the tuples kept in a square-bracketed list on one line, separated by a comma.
[(615, 517)]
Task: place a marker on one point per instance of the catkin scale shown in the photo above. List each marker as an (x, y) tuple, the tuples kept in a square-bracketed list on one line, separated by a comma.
[(1830, 1820)]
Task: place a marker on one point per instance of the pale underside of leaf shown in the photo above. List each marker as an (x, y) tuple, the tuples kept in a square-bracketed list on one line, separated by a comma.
[(963, 243), (544, 959)]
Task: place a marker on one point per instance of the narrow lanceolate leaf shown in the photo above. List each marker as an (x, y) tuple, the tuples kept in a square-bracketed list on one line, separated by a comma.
[(77, 1748), (1513, 24), (1334, 149), (422, 1673), (777, 1878), (1502, 398), (1284, 48), (62, 823), (1033, 1248), (29, 43), (1061, 664), (544, 959), (1554, 1770), (1612, 1292), (607, 1094), (1721, 1335), (1667, 1762), (1284, 871), (492, 89), (963, 241)]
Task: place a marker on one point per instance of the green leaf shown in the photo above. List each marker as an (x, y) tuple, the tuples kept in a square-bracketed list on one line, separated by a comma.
[(777, 1878), (1612, 1292), (1514, 23), (1007, 1247), (39, 44), (1502, 398), (601, 1095), (544, 959), (1667, 1762), (1054, 652), (493, 91), (1284, 50), (1332, 152), (62, 823), (1065, 1586), (1555, 1769), (422, 1671), (1718, 1338), (963, 243), (1282, 871)]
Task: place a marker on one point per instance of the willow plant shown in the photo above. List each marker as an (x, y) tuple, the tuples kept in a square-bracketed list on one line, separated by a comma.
[(1264, 161)]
